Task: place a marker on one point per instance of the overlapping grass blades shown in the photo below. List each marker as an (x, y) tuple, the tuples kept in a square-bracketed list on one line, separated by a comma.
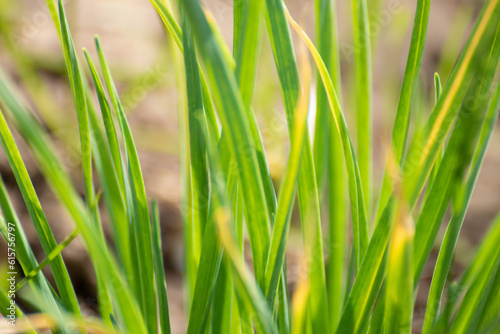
[(52, 169)]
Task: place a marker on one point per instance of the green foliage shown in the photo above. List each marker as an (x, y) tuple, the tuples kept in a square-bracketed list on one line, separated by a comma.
[(228, 191)]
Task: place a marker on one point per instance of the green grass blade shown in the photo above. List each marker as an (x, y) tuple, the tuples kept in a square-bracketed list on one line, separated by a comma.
[(222, 305), (363, 91), (83, 107), (378, 317), (197, 147), (408, 94), (246, 49), (246, 41), (438, 90), (80, 102), (487, 316), (325, 12), (173, 28), (161, 283), (207, 248), (483, 255), (111, 172), (109, 124), (328, 157), (300, 308), (56, 252), (168, 21), (338, 225)]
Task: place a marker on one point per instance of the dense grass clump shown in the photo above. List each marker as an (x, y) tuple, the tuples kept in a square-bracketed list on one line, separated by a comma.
[(363, 284)]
